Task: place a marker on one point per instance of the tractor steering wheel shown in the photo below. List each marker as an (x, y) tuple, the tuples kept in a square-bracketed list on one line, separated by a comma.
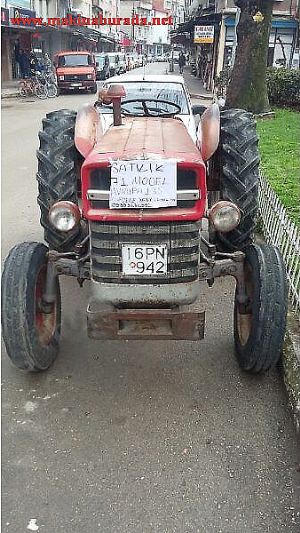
[(158, 111)]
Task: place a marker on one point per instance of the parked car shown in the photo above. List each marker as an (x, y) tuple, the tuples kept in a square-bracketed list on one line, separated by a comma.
[(140, 60), (75, 71), (136, 60), (123, 63), (102, 66), (130, 62), (114, 64)]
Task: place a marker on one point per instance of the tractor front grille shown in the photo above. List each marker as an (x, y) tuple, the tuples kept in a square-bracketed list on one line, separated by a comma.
[(182, 240)]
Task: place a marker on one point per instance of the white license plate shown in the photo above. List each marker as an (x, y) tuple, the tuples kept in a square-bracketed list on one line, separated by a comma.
[(144, 260), (75, 84)]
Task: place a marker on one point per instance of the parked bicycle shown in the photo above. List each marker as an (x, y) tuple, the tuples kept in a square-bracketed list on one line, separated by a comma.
[(51, 85), (42, 85), (32, 87)]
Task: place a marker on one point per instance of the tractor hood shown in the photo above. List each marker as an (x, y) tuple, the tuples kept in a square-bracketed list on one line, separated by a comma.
[(145, 138)]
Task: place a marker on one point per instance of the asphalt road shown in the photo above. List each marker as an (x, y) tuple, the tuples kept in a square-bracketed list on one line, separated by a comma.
[(136, 437)]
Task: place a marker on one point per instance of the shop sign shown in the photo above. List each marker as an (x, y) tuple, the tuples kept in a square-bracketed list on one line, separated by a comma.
[(17, 12), (204, 34), (4, 17)]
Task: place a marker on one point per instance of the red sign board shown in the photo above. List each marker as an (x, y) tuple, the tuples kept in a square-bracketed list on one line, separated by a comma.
[(4, 16)]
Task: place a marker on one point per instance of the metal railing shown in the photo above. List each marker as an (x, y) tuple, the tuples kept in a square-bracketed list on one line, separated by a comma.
[(280, 231)]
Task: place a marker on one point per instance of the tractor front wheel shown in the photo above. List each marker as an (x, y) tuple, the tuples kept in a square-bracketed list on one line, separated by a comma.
[(259, 325), (30, 331)]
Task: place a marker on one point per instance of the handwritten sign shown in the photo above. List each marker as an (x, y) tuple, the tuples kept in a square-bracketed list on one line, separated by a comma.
[(143, 184), (204, 34)]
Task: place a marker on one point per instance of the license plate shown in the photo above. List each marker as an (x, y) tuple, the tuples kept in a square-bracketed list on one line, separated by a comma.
[(75, 84), (144, 260)]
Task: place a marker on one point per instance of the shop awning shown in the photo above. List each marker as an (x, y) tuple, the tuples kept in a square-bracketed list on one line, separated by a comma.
[(211, 19)]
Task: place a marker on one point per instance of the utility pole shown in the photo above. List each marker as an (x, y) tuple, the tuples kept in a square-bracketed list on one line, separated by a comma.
[(133, 13)]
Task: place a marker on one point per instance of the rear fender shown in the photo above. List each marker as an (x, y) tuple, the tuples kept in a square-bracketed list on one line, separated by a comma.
[(208, 133), (88, 129)]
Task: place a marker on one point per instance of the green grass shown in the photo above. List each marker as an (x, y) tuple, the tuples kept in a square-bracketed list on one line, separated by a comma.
[(280, 161)]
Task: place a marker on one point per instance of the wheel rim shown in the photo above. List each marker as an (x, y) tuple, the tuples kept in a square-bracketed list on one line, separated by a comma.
[(41, 91), (52, 91), (45, 322), (244, 311)]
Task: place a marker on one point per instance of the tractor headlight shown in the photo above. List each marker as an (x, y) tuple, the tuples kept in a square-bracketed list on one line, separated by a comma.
[(61, 78), (64, 216), (225, 216)]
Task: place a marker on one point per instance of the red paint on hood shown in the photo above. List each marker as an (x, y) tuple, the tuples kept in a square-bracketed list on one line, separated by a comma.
[(149, 138)]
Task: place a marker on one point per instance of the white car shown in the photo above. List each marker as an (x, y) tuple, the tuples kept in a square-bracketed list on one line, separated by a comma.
[(167, 88)]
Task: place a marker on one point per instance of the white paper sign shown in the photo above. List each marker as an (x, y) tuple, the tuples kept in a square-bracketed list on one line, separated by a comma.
[(143, 184), (204, 34)]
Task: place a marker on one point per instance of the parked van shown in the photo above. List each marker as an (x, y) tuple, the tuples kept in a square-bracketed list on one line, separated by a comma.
[(102, 66), (75, 70)]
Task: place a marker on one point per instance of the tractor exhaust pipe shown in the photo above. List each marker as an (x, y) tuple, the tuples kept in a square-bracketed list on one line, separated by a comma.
[(117, 111), (113, 95)]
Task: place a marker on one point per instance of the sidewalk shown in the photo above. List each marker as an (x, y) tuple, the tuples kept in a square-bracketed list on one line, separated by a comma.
[(195, 85), (10, 89)]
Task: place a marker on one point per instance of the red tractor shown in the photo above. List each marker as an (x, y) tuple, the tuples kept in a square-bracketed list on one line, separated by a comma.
[(147, 209)]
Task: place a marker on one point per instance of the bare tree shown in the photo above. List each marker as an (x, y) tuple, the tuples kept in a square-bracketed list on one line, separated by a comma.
[(247, 88)]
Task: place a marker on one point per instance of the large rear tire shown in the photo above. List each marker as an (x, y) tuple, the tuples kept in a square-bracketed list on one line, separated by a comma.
[(259, 326), (31, 336), (238, 163), (57, 173)]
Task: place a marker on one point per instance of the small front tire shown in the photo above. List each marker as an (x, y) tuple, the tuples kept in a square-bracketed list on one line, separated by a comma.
[(31, 336), (259, 326)]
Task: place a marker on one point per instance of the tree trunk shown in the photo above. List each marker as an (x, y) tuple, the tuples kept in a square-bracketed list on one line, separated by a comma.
[(247, 88)]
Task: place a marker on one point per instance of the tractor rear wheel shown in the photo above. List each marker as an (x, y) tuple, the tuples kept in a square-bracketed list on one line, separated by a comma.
[(238, 163), (57, 176), (259, 325), (30, 332)]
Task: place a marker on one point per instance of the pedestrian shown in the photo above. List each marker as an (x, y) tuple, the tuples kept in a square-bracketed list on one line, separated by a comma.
[(47, 63), (181, 61), (17, 52), (24, 64)]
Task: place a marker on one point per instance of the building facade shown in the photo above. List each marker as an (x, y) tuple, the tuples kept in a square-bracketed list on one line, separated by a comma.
[(222, 17), (150, 39), (53, 38)]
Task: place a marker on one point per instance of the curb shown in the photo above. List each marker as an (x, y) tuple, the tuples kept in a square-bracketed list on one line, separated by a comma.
[(289, 363), (291, 366), (202, 96), (10, 95)]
